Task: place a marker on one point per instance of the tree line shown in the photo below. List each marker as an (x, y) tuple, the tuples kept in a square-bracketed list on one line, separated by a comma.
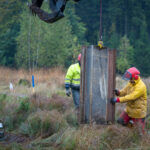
[(26, 41)]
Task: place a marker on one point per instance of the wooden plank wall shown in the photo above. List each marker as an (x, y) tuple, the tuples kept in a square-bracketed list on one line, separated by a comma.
[(97, 84)]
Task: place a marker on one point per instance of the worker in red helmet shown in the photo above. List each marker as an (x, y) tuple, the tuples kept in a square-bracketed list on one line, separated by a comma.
[(72, 82), (134, 94)]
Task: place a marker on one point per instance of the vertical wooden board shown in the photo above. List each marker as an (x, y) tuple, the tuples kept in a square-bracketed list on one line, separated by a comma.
[(111, 85), (81, 116), (99, 84), (94, 93), (87, 88)]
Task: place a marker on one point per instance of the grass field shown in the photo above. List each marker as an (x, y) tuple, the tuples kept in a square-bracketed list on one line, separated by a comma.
[(46, 119)]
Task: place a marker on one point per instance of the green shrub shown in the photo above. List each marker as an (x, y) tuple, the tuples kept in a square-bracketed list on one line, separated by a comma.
[(2, 102), (9, 123), (34, 125), (16, 146), (58, 102), (24, 82), (24, 106), (12, 122), (21, 113), (148, 123), (24, 129), (46, 142), (2, 97), (46, 123), (68, 139), (72, 119), (114, 137), (69, 143), (18, 113), (53, 106)]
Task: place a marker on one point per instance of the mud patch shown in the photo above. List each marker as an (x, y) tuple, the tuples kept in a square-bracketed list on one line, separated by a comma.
[(14, 138)]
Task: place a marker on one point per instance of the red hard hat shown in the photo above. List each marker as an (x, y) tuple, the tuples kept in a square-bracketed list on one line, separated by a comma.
[(131, 73), (79, 57)]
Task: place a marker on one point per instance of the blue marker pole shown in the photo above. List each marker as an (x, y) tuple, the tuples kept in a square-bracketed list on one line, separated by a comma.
[(33, 85)]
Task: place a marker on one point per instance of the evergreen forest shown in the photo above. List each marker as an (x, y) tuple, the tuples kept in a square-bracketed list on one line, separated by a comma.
[(27, 42)]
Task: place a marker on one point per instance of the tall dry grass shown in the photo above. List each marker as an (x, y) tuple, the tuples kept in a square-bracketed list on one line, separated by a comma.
[(52, 76), (147, 82), (120, 83), (47, 81), (43, 75), (56, 113)]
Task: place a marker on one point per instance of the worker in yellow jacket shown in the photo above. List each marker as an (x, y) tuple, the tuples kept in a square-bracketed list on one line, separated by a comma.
[(72, 81), (135, 96)]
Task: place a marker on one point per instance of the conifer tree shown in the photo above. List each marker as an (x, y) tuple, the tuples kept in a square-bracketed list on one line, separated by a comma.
[(125, 55), (47, 45)]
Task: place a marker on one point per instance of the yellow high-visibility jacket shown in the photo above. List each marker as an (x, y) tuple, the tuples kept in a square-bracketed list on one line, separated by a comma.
[(136, 97), (72, 78)]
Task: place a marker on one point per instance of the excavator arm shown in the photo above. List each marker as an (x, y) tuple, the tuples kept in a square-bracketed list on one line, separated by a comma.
[(57, 8), (37, 3)]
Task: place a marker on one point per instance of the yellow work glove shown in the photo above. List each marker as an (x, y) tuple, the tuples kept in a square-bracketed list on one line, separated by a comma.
[(100, 44)]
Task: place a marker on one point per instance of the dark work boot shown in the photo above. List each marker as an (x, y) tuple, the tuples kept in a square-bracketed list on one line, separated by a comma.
[(121, 121)]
